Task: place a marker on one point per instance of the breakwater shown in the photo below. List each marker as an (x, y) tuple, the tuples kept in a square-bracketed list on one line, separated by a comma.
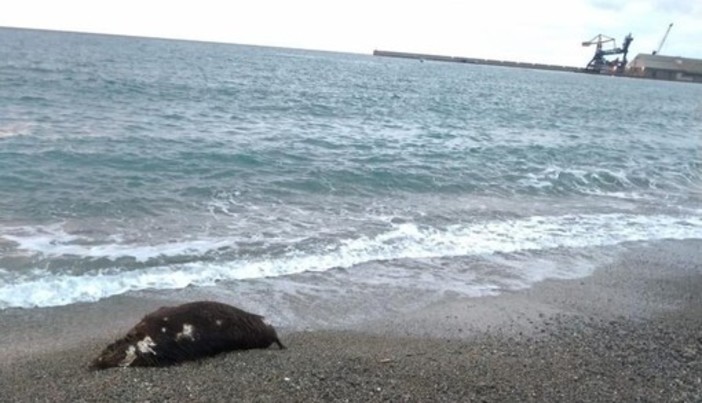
[(471, 60)]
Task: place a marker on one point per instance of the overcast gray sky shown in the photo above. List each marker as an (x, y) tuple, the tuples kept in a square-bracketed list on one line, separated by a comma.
[(546, 31)]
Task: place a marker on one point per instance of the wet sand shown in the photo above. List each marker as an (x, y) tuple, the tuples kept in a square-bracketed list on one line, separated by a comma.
[(631, 331)]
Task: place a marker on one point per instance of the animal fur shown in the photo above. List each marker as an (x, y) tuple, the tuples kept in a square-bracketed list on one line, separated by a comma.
[(171, 335)]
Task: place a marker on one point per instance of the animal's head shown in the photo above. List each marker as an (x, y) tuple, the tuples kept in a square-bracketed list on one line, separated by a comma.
[(116, 354), (136, 348)]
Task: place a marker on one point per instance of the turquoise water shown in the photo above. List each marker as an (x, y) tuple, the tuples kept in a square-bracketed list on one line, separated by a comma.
[(131, 164)]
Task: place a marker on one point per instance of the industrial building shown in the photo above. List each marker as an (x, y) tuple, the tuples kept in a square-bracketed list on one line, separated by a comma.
[(666, 68)]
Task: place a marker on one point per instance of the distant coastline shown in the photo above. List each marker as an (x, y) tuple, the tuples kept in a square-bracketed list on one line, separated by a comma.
[(471, 60), (676, 69)]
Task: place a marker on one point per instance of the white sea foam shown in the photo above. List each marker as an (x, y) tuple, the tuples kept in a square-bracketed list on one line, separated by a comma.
[(587, 182), (15, 129), (52, 241), (403, 241)]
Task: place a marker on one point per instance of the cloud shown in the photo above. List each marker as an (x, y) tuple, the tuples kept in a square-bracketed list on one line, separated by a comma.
[(666, 6), (674, 6), (608, 5)]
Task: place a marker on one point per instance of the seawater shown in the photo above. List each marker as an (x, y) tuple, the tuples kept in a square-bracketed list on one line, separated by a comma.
[(140, 165)]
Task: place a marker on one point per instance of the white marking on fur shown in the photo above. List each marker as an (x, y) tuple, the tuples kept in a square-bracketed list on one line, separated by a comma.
[(187, 332), (163, 330), (129, 357), (145, 345), (165, 318), (219, 322)]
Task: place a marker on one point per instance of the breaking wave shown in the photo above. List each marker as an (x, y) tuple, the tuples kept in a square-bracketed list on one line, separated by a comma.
[(39, 288)]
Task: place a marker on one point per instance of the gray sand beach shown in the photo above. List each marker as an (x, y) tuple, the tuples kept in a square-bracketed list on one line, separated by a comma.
[(630, 332)]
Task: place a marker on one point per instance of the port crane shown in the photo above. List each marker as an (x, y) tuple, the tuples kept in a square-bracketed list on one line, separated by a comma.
[(663, 40), (598, 63)]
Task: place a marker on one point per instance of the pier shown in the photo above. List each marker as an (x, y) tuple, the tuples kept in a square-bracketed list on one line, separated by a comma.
[(471, 60)]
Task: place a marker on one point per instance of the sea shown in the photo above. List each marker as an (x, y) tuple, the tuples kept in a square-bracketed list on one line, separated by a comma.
[(149, 167)]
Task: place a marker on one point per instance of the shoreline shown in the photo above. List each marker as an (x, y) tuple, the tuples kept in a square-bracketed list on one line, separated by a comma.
[(630, 331)]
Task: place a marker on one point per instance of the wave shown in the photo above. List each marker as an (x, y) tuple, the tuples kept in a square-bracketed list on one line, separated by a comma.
[(600, 181), (40, 288), (15, 129), (52, 242)]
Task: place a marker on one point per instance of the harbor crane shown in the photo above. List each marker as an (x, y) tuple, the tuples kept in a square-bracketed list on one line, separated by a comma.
[(660, 46), (599, 64)]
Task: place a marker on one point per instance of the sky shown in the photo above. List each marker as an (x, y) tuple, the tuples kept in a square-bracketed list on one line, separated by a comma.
[(541, 31)]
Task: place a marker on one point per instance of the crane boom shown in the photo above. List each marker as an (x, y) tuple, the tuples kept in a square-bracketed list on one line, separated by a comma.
[(660, 46), (599, 40)]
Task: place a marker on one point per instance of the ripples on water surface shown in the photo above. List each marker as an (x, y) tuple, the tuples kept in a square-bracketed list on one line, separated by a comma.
[(136, 164)]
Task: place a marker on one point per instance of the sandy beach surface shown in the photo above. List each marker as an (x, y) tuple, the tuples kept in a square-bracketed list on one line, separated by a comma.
[(630, 332)]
